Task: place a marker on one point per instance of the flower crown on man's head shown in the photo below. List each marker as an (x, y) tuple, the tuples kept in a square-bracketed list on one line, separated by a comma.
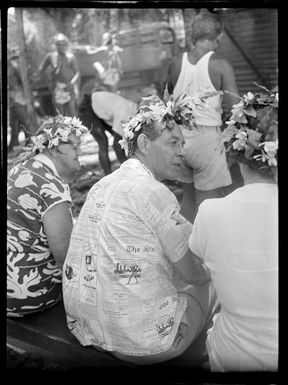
[(153, 109), (251, 136), (52, 132)]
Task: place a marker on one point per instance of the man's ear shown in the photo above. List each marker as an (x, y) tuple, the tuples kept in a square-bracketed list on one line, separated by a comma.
[(142, 143)]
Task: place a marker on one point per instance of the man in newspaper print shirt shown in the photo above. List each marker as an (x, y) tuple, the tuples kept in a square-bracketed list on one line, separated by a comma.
[(144, 298)]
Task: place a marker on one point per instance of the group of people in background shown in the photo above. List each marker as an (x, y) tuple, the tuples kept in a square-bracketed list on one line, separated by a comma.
[(141, 276)]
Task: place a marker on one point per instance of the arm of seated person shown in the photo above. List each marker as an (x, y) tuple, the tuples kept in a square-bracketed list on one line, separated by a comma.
[(192, 269), (58, 226)]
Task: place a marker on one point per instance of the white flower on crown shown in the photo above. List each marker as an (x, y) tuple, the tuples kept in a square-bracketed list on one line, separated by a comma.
[(269, 151), (241, 141), (238, 128), (249, 97), (52, 130), (63, 134)]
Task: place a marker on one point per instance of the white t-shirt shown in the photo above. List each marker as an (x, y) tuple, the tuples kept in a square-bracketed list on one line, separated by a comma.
[(119, 285), (237, 237), (112, 108)]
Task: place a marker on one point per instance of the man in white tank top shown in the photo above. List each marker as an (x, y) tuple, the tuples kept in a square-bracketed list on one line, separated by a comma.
[(198, 70)]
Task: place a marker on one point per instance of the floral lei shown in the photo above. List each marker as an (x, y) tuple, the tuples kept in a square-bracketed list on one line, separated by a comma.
[(249, 143), (180, 109), (52, 132)]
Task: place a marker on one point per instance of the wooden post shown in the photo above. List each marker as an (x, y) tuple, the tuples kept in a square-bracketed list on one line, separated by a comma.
[(188, 17)]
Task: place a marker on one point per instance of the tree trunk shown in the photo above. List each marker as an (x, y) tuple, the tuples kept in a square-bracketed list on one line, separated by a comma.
[(188, 16), (24, 69)]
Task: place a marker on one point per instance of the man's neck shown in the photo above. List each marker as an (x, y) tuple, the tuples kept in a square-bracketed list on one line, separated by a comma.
[(199, 50), (137, 155)]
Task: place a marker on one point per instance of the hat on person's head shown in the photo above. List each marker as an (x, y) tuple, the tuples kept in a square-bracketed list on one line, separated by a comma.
[(152, 109), (107, 38), (60, 38), (52, 132), (251, 136)]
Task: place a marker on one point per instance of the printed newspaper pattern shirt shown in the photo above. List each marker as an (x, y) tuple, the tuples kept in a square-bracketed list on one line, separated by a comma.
[(119, 285), (33, 279)]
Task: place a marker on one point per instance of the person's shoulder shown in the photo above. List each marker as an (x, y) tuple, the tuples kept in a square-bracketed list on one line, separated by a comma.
[(176, 61), (219, 62), (150, 188), (49, 56), (213, 207)]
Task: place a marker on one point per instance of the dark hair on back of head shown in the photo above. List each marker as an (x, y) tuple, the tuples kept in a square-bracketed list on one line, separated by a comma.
[(206, 25)]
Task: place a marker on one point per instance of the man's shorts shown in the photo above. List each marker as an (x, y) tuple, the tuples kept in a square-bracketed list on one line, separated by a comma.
[(205, 161)]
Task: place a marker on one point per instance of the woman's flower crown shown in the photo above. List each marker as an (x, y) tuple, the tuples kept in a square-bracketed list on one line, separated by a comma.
[(51, 133), (181, 110), (244, 136)]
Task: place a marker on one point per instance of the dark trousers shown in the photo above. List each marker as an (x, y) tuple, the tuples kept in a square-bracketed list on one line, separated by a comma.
[(98, 128), (18, 120)]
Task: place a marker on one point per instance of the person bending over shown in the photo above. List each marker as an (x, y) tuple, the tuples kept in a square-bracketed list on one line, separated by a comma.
[(103, 111)]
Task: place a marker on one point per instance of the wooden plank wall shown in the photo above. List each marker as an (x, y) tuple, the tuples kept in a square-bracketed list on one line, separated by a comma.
[(250, 43)]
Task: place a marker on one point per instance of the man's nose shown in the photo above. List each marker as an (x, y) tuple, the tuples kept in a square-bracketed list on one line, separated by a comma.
[(181, 151)]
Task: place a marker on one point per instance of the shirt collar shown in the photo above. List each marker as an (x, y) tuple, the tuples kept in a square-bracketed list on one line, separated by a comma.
[(137, 164), (47, 161)]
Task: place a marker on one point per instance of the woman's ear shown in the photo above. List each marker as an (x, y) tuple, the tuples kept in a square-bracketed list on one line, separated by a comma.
[(142, 143), (52, 152)]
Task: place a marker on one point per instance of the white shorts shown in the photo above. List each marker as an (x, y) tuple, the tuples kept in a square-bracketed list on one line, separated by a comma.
[(205, 161)]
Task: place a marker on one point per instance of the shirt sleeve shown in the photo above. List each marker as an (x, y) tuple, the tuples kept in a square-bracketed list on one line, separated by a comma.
[(197, 238), (50, 189), (162, 213)]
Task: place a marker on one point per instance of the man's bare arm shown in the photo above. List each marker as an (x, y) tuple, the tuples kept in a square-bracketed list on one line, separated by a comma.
[(192, 269), (171, 75)]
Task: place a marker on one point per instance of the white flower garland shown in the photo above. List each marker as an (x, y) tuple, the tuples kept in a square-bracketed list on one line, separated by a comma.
[(242, 138), (181, 110), (51, 132)]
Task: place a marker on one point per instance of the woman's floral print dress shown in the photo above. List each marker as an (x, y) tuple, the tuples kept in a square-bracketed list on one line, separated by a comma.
[(34, 280)]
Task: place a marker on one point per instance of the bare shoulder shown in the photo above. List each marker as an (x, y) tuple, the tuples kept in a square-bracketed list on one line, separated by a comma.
[(219, 63), (176, 63), (174, 69)]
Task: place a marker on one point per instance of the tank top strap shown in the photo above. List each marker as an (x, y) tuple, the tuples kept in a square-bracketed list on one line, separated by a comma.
[(204, 60)]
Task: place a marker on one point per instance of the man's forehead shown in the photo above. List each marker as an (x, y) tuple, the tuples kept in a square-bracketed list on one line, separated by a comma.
[(174, 132)]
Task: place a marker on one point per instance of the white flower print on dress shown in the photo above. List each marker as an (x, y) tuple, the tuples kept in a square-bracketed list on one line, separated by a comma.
[(52, 191), (37, 164), (33, 278), (24, 179), (28, 202), (24, 235), (39, 256)]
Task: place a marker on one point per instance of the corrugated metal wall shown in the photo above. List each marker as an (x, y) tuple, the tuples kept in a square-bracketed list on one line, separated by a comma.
[(250, 44)]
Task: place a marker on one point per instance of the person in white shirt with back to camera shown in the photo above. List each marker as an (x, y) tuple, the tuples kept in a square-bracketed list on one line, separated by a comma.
[(237, 238)]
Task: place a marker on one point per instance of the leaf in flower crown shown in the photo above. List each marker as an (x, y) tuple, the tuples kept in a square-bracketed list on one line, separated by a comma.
[(228, 133), (264, 88), (249, 110), (166, 95), (253, 137)]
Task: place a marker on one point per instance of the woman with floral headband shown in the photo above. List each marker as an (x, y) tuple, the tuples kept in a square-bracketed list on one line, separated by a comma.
[(39, 215), (237, 238)]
